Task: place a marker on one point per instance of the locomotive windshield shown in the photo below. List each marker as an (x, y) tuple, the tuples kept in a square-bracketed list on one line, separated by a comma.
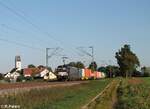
[(61, 69)]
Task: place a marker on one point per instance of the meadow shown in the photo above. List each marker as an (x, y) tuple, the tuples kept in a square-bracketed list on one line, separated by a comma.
[(68, 97)]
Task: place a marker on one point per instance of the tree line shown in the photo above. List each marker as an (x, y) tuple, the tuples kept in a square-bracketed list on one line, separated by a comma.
[(127, 60)]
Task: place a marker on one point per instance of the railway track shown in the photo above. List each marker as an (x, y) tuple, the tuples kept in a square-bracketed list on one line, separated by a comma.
[(19, 87)]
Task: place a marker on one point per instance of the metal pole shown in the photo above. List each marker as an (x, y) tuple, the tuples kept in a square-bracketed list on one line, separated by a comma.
[(51, 54), (47, 57), (92, 53)]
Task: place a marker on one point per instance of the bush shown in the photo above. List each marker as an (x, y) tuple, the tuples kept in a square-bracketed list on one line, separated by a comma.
[(7, 79), (20, 79), (1, 76), (28, 78), (146, 74), (133, 96)]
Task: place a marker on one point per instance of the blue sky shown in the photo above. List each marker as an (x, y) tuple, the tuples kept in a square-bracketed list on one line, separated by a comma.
[(105, 24)]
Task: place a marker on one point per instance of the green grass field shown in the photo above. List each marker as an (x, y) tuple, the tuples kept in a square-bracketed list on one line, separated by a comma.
[(69, 97), (134, 94)]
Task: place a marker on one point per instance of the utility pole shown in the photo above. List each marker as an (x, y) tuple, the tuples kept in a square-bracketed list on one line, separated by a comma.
[(87, 53), (48, 56), (92, 54)]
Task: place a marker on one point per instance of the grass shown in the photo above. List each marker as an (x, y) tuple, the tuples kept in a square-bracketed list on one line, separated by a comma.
[(68, 97), (134, 93), (108, 99)]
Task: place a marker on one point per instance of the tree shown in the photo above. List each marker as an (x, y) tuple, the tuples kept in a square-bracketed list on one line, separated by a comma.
[(110, 70), (76, 64), (145, 71), (41, 67), (80, 65), (102, 69), (127, 60), (50, 69), (31, 66), (1, 76), (93, 66), (72, 64)]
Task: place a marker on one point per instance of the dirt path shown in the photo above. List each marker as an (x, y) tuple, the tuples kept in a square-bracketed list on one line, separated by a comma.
[(106, 99), (21, 87)]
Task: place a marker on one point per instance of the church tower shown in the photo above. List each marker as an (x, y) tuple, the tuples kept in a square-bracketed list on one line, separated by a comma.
[(18, 62)]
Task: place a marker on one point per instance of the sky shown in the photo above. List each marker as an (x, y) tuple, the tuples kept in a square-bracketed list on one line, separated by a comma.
[(28, 27)]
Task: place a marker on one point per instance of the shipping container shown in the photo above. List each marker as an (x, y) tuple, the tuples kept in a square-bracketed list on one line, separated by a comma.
[(95, 73), (87, 73), (82, 74), (98, 75), (73, 73), (92, 75), (103, 75)]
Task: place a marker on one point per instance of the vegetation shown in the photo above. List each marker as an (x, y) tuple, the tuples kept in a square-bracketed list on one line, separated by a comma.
[(146, 71), (31, 66), (134, 94), (93, 66), (76, 64), (69, 97), (127, 60), (50, 69), (110, 71), (1, 76), (107, 99)]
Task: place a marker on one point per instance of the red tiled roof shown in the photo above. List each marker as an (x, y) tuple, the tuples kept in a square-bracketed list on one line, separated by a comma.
[(30, 71)]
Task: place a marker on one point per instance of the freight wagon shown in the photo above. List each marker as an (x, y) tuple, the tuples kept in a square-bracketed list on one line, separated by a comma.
[(82, 74), (72, 73)]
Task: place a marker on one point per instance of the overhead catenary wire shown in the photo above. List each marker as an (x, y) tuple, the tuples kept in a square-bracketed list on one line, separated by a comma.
[(21, 44), (28, 21), (21, 32)]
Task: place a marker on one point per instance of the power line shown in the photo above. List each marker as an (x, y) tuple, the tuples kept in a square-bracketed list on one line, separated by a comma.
[(24, 18), (20, 32), (21, 44), (10, 28), (28, 21)]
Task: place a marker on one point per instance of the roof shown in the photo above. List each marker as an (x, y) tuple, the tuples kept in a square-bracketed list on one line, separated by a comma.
[(32, 71)]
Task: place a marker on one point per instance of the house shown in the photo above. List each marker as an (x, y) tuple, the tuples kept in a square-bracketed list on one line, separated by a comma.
[(39, 73), (44, 72), (12, 75), (31, 72), (48, 75)]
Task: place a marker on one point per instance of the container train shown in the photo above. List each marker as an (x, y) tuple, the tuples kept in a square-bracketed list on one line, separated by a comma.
[(65, 72)]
